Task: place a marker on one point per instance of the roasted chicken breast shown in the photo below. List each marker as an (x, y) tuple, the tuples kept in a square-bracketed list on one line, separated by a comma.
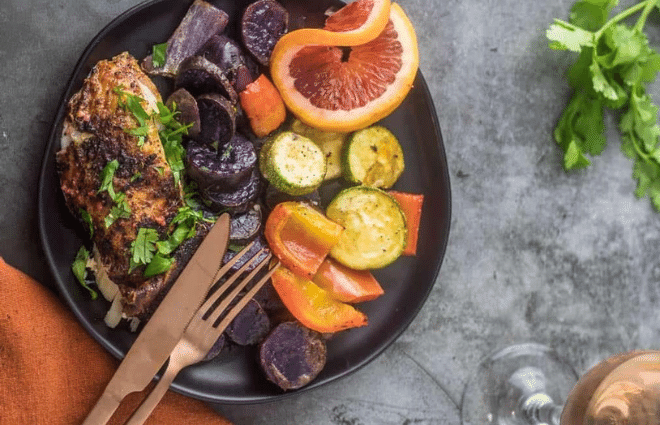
[(94, 134)]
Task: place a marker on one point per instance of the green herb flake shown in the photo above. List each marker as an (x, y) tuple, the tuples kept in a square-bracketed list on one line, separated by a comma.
[(159, 264), (88, 220), (79, 268), (107, 176), (121, 209), (144, 246), (158, 53)]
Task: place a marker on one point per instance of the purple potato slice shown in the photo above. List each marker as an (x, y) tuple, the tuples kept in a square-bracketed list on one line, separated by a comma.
[(199, 75), (217, 118), (189, 112), (201, 22), (217, 348), (244, 227), (221, 198), (229, 57), (263, 23), (250, 326), (292, 355), (229, 166)]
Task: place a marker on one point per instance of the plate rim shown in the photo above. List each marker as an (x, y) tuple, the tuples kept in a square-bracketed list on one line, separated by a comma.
[(53, 136)]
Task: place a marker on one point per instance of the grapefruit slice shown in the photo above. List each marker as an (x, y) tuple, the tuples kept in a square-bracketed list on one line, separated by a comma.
[(345, 87), (354, 24)]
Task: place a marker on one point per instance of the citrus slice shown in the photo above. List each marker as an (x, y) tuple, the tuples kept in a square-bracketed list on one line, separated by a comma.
[(354, 24), (336, 87)]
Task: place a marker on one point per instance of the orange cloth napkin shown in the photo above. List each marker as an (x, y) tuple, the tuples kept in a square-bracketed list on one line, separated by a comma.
[(52, 372)]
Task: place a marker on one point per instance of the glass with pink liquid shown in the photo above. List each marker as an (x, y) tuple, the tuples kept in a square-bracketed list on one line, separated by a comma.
[(529, 384)]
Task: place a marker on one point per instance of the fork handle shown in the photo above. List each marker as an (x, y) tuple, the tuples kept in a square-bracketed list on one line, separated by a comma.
[(149, 404)]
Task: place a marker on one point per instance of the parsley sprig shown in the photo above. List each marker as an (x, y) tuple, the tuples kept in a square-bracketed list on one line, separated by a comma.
[(614, 66)]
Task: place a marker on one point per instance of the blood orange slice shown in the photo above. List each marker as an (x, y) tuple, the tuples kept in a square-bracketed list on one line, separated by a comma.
[(339, 87)]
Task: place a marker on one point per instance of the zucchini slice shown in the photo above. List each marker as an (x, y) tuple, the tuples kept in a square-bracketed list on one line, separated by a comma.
[(292, 163), (375, 230), (330, 142), (373, 157)]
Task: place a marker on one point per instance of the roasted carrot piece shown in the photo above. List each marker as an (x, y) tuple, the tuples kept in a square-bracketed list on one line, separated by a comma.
[(411, 204), (263, 106)]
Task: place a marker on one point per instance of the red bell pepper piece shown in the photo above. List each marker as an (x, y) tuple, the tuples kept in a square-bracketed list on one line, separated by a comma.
[(300, 236), (345, 284), (411, 204), (314, 307)]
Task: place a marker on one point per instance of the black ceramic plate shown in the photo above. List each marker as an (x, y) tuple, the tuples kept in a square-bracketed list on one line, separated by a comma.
[(236, 377)]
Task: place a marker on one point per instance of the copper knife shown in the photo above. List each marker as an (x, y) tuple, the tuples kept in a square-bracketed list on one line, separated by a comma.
[(166, 326)]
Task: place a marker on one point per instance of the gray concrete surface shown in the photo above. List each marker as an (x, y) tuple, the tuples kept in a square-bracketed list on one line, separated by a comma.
[(535, 254)]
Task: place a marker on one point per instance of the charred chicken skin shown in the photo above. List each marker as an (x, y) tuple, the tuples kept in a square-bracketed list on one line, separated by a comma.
[(95, 134)]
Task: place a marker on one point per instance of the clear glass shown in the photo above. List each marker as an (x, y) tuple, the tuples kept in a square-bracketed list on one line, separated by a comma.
[(529, 384), (519, 385)]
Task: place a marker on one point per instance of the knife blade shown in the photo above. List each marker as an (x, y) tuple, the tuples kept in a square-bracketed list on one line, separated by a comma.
[(167, 324)]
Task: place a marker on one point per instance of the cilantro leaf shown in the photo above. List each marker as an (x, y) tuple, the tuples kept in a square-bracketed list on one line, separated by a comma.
[(601, 83), (565, 36), (621, 45), (79, 269), (581, 130), (158, 53), (591, 14)]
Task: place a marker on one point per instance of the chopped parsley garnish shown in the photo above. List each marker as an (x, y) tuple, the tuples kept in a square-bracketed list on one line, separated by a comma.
[(120, 209), (159, 264), (79, 268), (171, 135), (158, 53), (107, 175), (87, 219), (148, 250), (143, 247)]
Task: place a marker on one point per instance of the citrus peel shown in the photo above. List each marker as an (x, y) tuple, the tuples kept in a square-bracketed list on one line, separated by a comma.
[(346, 80)]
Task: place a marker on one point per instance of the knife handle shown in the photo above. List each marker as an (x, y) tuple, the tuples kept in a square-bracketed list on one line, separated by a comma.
[(104, 408)]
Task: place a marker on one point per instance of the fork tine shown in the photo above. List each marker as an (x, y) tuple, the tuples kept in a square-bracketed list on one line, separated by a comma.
[(215, 314), (223, 270), (245, 299), (215, 294)]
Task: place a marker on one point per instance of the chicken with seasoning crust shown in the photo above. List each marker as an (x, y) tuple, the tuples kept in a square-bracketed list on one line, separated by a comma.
[(117, 182)]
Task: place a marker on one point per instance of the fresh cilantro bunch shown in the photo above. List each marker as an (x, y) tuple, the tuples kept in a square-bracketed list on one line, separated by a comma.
[(614, 66)]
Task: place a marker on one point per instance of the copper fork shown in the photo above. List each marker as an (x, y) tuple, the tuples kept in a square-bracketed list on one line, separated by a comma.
[(201, 332)]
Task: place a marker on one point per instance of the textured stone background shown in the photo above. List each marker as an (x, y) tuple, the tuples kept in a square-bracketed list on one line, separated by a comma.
[(535, 254)]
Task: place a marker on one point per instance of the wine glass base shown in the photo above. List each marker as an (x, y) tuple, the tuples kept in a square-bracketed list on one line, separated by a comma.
[(515, 381)]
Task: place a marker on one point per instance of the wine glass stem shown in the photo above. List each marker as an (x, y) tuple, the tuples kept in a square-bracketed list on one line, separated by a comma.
[(539, 408)]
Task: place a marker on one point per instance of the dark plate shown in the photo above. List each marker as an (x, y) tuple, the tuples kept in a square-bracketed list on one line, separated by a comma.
[(236, 377)]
